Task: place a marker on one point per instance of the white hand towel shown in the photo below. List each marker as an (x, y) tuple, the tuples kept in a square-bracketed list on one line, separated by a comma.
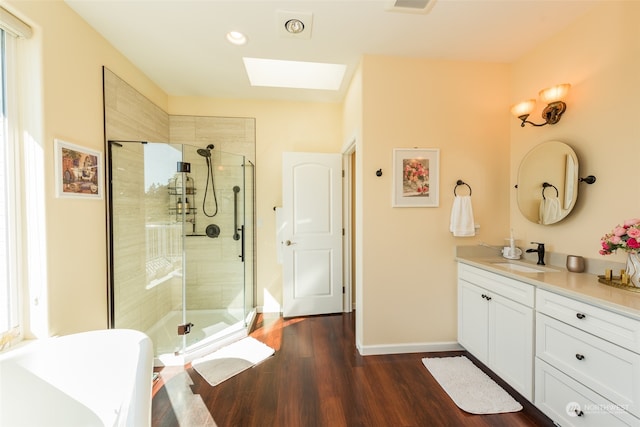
[(462, 222), (550, 210)]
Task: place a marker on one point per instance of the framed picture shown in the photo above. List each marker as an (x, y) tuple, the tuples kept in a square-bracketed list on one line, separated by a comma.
[(78, 171), (415, 177)]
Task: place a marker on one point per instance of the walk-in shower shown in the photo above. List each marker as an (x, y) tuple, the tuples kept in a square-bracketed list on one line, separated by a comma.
[(182, 264)]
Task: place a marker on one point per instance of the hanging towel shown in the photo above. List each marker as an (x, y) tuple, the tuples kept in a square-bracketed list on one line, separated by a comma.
[(550, 210), (462, 223)]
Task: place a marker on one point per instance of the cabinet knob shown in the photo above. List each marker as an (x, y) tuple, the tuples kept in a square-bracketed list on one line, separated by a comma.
[(580, 316), (579, 356), (578, 412), (488, 298)]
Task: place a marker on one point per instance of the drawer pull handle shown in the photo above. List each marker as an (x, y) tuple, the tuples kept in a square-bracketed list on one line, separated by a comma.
[(579, 412), (579, 356), (487, 297), (580, 316)]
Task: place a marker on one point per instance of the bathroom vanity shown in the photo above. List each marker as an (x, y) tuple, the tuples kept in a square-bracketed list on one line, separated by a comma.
[(564, 341), (495, 324)]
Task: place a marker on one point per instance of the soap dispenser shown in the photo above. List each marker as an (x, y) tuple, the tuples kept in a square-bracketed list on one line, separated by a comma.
[(511, 251)]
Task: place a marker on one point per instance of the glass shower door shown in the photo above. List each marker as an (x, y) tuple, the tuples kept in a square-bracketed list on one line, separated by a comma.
[(215, 245), (146, 243), (181, 246), (249, 240)]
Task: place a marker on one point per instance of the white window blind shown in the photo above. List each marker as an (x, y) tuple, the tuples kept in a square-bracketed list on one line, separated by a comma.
[(14, 25), (11, 28)]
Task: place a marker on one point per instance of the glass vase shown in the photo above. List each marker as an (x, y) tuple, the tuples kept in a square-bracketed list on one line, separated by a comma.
[(633, 269)]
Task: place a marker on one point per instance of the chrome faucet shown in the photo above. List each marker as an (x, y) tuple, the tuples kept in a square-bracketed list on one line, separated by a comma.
[(539, 250)]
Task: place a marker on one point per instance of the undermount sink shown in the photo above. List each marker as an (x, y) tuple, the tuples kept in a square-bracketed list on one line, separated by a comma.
[(521, 268)]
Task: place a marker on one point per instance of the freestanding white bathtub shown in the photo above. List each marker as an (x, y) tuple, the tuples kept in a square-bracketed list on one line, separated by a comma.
[(98, 378)]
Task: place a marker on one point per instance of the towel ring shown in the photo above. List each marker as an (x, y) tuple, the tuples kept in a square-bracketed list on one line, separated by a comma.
[(545, 185), (458, 183)]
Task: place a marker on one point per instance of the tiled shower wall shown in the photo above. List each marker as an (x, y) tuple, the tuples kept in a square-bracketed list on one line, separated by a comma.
[(214, 275)]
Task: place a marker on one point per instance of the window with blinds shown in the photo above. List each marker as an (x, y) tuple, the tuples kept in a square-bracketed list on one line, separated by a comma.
[(9, 301), (11, 28)]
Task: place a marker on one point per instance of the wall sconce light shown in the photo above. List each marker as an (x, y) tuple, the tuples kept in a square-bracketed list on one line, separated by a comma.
[(553, 96)]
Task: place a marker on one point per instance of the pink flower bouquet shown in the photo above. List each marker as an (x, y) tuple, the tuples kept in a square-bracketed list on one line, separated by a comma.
[(416, 176), (625, 237)]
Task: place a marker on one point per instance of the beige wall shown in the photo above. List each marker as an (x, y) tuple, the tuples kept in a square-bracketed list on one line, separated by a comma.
[(408, 269), (72, 55), (600, 56)]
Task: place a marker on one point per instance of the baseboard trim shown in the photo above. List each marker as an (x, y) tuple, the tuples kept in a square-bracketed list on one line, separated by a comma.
[(371, 350), (269, 310)]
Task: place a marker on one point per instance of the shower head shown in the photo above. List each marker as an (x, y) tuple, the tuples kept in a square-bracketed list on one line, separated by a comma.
[(205, 152)]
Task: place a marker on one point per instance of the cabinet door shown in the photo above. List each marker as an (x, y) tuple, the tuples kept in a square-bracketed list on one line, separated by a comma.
[(473, 319), (511, 343)]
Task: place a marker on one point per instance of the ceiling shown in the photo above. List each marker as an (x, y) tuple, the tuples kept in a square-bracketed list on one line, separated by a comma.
[(181, 44)]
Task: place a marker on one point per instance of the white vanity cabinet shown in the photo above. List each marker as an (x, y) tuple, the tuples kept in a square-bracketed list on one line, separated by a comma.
[(587, 363), (496, 324)]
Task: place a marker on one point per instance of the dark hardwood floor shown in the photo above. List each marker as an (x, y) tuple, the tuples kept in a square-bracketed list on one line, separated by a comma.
[(317, 378)]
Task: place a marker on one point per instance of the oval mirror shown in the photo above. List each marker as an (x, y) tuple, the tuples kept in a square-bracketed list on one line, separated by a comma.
[(548, 183)]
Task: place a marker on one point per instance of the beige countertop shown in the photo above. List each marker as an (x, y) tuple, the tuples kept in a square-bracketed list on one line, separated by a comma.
[(580, 286)]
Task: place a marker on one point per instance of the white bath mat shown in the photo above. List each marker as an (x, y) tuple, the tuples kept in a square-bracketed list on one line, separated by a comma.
[(470, 388), (231, 360)]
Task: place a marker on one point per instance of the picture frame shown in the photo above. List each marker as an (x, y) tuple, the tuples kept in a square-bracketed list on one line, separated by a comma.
[(78, 171), (416, 177)]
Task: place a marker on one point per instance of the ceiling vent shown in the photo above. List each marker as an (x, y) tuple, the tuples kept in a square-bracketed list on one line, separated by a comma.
[(411, 6)]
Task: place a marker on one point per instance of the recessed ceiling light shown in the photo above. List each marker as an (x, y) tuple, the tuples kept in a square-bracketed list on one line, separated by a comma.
[(294, 26), (236, 37), (294, 74)]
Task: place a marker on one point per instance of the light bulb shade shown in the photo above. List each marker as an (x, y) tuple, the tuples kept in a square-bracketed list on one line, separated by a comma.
[(523, 108), (554, 93)]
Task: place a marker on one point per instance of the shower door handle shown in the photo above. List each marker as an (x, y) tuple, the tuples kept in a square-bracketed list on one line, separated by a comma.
[(242, 244)]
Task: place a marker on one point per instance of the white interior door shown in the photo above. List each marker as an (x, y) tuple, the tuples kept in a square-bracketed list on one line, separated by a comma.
[(312, 233)]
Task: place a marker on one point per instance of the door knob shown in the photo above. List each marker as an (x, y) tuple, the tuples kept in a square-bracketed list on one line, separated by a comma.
[(288, 243)]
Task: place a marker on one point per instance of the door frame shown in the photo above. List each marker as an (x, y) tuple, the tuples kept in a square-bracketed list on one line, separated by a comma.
[(348, 303)]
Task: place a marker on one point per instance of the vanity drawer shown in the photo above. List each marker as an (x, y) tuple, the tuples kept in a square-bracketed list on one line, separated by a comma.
[(609, 370), (509, 288), (569, 403), (613, 327)]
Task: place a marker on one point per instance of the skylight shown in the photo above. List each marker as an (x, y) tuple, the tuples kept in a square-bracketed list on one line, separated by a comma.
[(294, 74)]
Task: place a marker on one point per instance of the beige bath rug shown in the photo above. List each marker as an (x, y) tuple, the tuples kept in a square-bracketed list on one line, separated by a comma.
[(231, 360), (470, 388)]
